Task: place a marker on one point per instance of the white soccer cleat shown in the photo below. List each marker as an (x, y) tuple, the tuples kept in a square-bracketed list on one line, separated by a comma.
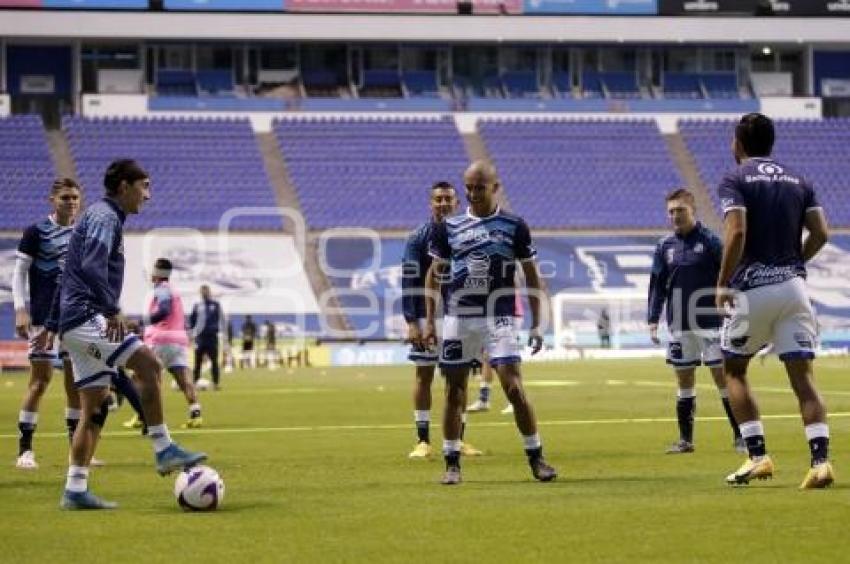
[(27, 461), (478, 406), (508, 410)]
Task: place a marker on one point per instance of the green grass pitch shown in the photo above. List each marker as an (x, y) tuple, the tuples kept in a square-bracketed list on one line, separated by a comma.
[(316, 468)]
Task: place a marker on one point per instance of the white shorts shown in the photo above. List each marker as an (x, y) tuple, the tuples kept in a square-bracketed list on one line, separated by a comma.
[(53, 355), (465, 338), (778, 313), (688, 349), (172, 356), (422, 357), (95, 359)]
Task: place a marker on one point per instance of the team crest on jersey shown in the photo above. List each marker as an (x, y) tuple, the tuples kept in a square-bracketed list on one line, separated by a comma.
[(770, 168), (478, 270), (671, 254), (94, 351), (699, 248)]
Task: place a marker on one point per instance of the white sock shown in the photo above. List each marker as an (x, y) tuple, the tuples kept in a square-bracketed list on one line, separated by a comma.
[(751, 429), (463, 418), (194, 407), (78, 479), (420, 415), (71, 413), (160, 437), (30, 417), (450, 447), (484, 385), (685, 393), (531, 441), (724, 393), (817, 430)]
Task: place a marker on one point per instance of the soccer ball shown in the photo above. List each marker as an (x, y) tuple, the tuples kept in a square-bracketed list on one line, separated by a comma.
[(199, 488), (202, 384)]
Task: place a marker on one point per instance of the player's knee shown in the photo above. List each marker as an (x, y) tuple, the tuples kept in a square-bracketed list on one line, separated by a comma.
[(38, 387), (98, 418), (514, 392)]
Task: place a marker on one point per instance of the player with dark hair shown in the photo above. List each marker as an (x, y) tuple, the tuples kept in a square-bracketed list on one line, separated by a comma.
[(761, 286), (415, 264), (479, 251), (206, 322), (165, 334), (684, 272), (88, 319), (39, 260)]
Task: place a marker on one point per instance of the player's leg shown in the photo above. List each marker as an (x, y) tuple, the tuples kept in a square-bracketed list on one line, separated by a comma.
[(712, 357), (455, 402), (216, 375), (92, 418), (795, 336), (180, 374), (200, 351), (503, 350), (482, 403), (145, 365), (686, 401), (72, 398), (41, 370), (422, 409)]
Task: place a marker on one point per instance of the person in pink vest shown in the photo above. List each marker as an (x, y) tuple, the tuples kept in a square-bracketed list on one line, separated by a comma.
[(165, 334)]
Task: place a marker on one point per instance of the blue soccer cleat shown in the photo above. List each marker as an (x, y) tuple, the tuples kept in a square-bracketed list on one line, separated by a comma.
[(175, 458), (84, 500)]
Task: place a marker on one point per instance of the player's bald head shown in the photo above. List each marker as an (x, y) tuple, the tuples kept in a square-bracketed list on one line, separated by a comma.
[(480, 172)]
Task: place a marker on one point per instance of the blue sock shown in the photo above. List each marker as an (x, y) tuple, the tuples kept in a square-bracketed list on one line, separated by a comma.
[(124, 385), (484, 394)]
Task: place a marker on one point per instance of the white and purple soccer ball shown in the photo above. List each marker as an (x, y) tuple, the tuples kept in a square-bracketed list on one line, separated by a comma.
[(199, 488)]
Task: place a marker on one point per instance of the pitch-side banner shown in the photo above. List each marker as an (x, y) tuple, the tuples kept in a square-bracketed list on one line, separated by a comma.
[(225, 5), (77, 4), (256, 274), (591, 7), (748, 7), (404, 6)]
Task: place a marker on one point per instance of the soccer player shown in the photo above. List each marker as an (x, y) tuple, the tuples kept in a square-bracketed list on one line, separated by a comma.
[(479, 250), (415, 264), (762, 287), (684, 272), (165, 334), (206, 320), (271, 356), (249, 333), (86, 314), (38, 261)]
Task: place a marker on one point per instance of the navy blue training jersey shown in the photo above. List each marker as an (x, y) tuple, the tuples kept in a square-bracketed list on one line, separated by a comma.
[(46, 243), (94, 268), (776, 200), (206, 320), (414, 266), (684, 275), (483, 252)]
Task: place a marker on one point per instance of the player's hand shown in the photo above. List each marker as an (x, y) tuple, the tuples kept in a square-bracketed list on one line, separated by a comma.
[(429, 335), (653, 333), (414, 334), (43, 341), (22, 323), (724, 300), (116, 328), (535, 340)]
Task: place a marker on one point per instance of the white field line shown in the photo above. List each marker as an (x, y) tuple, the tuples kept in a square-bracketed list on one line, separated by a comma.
[(407, 426)]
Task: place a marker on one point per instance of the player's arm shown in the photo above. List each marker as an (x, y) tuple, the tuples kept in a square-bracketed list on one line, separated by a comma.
[(818, 235), (19, 294), (24, 257), (537, 298), (99, 240), (734, 236), (163, 307), (410, 273), (815, 222), (658, 281), (433, 278)]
